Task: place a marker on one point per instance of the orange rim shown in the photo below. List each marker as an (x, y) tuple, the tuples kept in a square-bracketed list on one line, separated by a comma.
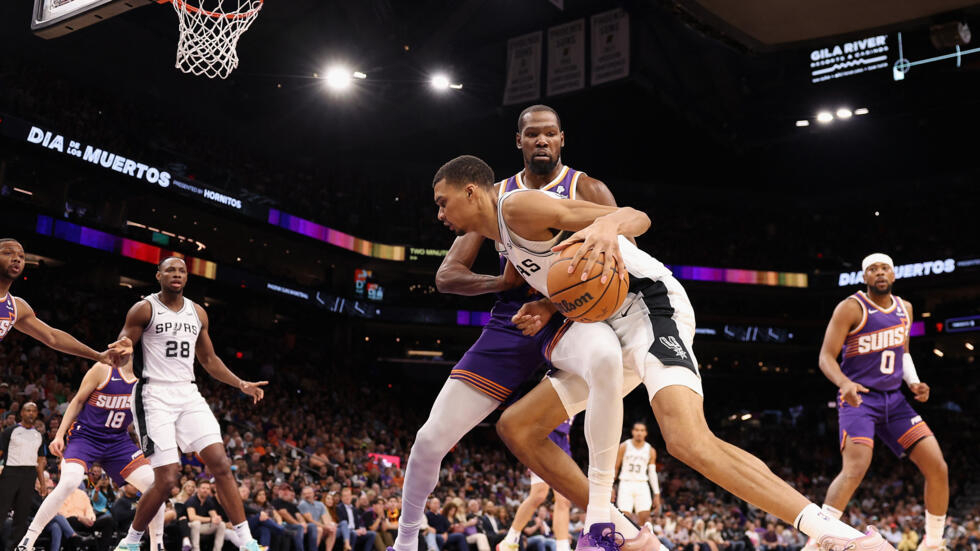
[(192, 9)]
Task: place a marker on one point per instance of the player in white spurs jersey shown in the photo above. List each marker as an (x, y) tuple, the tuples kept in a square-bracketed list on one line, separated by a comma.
[(637, 466), (648, 340), (168, 410)]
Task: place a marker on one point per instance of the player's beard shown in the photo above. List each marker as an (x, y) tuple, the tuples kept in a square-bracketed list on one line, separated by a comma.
[(543, 167), (872, 289)]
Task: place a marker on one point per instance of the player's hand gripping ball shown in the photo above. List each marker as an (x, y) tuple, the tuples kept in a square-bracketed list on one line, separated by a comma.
[(590, 300)]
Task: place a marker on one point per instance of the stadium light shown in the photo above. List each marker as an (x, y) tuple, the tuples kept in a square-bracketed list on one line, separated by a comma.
[(746, 417), (861, 111), (441, 82), (824, 117), (938, 352), (339, 77), (844, 113), (969, 346), (802, 123)]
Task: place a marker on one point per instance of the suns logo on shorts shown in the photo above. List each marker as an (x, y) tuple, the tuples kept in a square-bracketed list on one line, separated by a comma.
[(136, 454), (671, 343)]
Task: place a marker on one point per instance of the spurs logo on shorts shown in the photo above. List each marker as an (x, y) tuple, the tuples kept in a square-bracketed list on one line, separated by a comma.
[(671, 343)]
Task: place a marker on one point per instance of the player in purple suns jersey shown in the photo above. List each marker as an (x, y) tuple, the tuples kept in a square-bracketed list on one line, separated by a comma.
[(95, 429), (869, 331), (15, 313), (522, 325)]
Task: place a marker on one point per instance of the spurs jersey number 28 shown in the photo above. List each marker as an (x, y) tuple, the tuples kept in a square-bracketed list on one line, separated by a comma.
[(168, 343)]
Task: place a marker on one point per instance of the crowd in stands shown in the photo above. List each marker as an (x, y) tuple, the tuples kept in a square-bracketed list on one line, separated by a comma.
[(318, 464)]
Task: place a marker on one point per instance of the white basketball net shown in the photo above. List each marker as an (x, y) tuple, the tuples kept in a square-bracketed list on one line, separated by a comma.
[(209, 34)]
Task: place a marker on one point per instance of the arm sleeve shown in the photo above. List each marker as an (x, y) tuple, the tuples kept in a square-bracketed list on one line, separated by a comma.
[(909, 374), (654, 481)]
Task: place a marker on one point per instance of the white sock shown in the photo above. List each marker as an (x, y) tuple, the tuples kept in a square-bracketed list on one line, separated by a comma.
[(563, 545), (185, 541), (513, 537), (600, 493), (816, 524), (29, 538), (232, 537), (243, 533), (623, 525), (935, 524), (457, 409), (133, 537), (831, 512)]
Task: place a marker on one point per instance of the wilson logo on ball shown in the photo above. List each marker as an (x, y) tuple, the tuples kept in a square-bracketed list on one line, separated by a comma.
[(568, 306)]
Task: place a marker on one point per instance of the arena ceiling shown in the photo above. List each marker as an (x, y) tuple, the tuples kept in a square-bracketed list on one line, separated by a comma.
[(709, 79)]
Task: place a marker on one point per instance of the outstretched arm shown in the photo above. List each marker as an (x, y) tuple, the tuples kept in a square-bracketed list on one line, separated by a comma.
[(28, 323), (137, 318), (846, 316), (93, 377), (217, 368)]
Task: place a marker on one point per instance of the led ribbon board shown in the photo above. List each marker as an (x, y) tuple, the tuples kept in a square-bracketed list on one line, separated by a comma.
[(81, 235), (337, 238)]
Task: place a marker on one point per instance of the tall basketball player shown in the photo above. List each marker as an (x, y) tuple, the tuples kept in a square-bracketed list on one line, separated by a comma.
[(95, 430), (870, 332), (170, 331), (650, 337), (15, 313), (637, 466), (504, 355), (539, 492)]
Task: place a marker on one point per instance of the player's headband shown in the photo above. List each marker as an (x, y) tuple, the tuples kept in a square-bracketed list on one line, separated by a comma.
[(875, 259)]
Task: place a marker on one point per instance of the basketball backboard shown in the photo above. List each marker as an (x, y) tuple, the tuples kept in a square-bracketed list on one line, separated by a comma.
[(54, 18)]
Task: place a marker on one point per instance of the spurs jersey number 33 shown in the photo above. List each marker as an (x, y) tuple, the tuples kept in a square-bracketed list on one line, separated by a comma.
[(168, 343)]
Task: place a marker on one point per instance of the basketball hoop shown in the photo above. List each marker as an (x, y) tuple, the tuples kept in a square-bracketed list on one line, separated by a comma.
[(209, 37)]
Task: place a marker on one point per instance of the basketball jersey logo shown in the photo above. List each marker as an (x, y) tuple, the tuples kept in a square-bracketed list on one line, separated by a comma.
[(672, 343)]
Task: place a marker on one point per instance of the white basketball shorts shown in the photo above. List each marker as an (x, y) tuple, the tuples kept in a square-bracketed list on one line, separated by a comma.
[(656, 333), (172, 415), (634, 496)]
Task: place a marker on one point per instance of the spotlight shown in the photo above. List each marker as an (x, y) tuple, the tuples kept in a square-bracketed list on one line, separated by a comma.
[(861, 111), (339, 78), (969, 346), (824, 117), (803, 122), (440, 82), (844, 113), (746, 417), (938, 352)]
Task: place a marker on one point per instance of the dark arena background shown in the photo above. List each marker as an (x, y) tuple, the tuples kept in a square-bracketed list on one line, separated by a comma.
[(772, 146)]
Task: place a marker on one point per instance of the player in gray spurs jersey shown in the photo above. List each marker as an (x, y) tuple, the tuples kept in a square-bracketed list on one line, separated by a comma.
[(168, 410)]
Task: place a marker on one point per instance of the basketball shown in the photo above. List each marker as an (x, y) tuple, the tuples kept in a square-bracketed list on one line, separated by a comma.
[(586, 301)]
